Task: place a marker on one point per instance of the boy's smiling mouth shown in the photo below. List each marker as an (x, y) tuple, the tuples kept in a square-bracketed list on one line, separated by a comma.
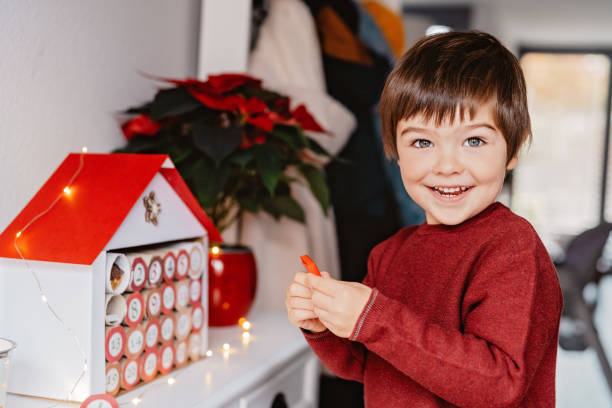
[(449, 192)]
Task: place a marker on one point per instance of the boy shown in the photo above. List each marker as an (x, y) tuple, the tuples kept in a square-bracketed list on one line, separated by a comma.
[(464, 309)]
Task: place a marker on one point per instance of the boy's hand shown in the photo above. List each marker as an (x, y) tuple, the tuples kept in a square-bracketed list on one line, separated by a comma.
[(338, 304), (299, 305)]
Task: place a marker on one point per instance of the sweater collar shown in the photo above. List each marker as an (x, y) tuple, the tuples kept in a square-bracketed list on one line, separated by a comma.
[(485, 214)]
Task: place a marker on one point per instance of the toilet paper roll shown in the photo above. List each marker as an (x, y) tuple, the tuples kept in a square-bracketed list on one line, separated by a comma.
[(194, 346), (167, 329), (153, 302), (168, 296), (116, 309), (180, 353), (182, 294), (182, 322), (197, 317), (135, 309), (118, 273), (114, 343), (135, 338), (130, 372), (169, 266), (149, 365), (140, 271), (152, 332), (166, 358), (113, 378), (156, 269), (182, 264), (196, 260), (195, 290)]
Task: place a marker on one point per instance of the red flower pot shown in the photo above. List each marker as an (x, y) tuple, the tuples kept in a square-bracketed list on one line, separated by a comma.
[(232, 279)]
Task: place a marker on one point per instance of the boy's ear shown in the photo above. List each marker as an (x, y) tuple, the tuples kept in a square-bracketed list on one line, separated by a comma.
[(512, 163)]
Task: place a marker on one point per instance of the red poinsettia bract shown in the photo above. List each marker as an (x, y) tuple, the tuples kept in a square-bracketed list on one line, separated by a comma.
[(140, 125)]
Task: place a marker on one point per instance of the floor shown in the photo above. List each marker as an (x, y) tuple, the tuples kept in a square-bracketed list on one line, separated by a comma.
[(580, 382)]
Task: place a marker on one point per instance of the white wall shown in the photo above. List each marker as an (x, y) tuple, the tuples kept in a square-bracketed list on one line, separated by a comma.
[(67, 67)]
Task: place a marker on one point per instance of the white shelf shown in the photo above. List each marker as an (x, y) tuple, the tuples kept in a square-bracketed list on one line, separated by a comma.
[(217, 381)]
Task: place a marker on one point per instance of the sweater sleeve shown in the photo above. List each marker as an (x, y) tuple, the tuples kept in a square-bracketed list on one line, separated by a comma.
[(510, 315), (344, 357)]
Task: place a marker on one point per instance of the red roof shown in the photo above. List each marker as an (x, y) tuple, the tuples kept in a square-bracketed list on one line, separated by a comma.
[(80, 225)]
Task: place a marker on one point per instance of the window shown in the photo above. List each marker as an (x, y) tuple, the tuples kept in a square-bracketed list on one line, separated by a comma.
[(562, 184)]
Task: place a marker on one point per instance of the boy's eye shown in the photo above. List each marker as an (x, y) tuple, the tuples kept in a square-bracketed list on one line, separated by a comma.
[(422, 143), (474, 142)]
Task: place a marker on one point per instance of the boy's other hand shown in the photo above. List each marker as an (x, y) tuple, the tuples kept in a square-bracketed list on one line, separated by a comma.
[(338, 304), (299, 305)]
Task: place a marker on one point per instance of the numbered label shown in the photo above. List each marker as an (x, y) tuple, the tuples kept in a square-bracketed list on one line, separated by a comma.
[(115, 344), (152, 335), (195, 290), (155, 272), (150, 365), (167, 329), (168, 297), (112, 379), (135, 342), (131, 373), (139, 274), (154, 303)]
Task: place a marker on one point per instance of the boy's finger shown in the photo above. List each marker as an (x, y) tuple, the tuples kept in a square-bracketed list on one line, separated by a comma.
[(300, 303), (301, 278), (322, 301), (325, 275), (300, 314), (329, 286), (295, 289)]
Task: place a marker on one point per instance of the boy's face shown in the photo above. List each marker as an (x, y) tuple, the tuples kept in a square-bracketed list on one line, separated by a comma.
[(456, 170)]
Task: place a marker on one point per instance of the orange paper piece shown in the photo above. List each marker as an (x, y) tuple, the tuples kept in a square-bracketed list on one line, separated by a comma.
[(310, 265)]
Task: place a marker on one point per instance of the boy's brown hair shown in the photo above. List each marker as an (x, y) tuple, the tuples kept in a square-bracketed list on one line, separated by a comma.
[(458, 69)]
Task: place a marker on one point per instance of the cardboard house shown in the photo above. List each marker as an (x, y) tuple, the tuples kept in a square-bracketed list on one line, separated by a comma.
[(108, 209)]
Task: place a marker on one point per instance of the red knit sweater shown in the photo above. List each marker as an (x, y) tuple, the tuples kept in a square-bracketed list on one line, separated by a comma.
[(464, 315)]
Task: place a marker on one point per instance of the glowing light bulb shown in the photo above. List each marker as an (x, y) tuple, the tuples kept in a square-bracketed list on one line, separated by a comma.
[(215, 250), (136, 401), (226, 347), (18, 234), (246, 325), (241, 320), (84, 149), (171, 381), (43, 298), (67, 190), (209, 353)]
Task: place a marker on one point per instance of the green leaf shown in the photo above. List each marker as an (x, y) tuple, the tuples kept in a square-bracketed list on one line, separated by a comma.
[(139, 110), (270, 165), (287, 139), (243, 157), (178, 153), (173, 101), (249, 203), (215, 141), (283, 205), (318, 185), (317, 148), (144, 144), (208, 180)]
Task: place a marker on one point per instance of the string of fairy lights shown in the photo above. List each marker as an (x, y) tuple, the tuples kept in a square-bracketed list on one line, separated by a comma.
[(66, 192)]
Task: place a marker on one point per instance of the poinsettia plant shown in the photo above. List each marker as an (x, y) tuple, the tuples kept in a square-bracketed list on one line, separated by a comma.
[(232, 141)]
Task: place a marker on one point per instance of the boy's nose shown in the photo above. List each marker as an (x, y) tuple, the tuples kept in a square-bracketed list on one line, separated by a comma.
[(447, 162)]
